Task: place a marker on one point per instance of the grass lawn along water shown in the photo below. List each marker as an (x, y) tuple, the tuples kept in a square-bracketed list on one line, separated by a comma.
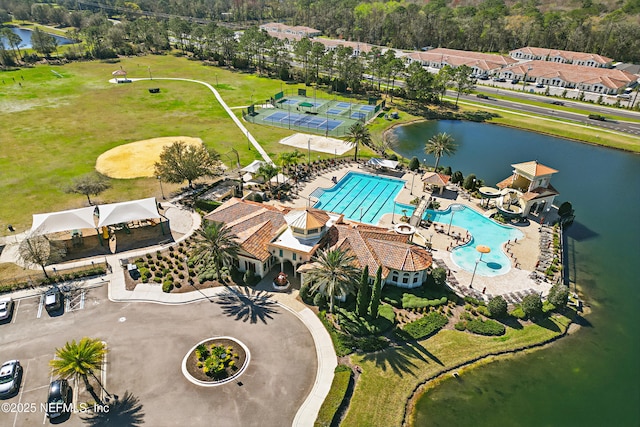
[(390, 377)]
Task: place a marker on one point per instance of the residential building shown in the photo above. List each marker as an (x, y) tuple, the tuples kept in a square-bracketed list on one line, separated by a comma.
[(288, 32), (480, 63), (561, 56), (591, 79)]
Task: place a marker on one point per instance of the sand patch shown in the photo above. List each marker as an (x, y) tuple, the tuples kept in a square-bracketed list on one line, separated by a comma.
[(322, 144), (137, 159)]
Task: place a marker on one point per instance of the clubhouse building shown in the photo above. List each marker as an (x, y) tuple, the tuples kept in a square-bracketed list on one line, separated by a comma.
[(289, 238)]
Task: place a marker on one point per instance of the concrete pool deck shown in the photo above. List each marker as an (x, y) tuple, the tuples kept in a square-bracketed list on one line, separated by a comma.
[(524, 253)]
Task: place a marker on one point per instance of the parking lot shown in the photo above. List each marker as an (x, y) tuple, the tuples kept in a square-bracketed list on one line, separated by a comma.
[(147, 343)]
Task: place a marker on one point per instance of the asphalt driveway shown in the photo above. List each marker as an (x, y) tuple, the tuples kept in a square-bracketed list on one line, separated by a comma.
[(147, 343)]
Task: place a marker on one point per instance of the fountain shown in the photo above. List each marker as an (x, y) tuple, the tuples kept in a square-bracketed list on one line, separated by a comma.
[(281, 281)]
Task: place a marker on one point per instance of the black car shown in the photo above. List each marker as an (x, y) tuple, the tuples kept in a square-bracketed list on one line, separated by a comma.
[(53, 300), (59, 400), (556, 102), (482, 96), (597, 117)]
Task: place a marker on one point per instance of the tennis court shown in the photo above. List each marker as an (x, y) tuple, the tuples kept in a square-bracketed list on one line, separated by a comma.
[(311, 114), (303, 120)]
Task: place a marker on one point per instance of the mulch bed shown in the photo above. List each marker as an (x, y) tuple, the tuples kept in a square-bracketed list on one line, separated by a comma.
[(197, 373)]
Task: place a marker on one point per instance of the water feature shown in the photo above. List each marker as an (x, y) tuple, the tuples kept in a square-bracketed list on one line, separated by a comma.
[(25, 35), (484, 231), (362, 197), (591, 378)]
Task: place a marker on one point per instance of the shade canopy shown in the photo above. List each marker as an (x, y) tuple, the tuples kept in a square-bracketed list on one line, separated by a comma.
[(54, 222), (383, 163), (253, 166), (116, 213)]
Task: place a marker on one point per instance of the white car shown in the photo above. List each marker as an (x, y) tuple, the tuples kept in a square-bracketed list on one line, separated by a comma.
[(6, 308), (10, 377)]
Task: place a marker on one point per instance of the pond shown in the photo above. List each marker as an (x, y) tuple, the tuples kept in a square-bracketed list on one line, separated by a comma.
[(590, 378), (25, 35)]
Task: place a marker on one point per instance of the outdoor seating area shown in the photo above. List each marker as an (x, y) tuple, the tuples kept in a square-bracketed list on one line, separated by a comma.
[(548, 257)]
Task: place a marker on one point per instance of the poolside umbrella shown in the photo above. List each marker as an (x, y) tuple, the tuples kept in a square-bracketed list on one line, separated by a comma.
[(483, 250)]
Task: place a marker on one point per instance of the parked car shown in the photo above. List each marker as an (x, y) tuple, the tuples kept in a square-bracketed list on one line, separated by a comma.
[(59, 398), (53, 300), (539, 85), (10, 373), (499, 79), (483, 77), (624, 96), (6, 308), (515, 81)]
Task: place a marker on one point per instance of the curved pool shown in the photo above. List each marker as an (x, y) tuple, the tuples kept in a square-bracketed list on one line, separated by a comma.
[(484, 231)]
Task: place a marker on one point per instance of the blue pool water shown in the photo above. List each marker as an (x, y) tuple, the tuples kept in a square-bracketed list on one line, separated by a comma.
[(484, 231), (362, 197)]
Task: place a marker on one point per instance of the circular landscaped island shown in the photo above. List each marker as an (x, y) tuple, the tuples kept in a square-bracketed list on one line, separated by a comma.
[(215, 361)]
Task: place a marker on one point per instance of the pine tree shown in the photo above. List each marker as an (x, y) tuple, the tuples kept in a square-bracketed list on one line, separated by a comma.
[(364, 293), (375, 297)]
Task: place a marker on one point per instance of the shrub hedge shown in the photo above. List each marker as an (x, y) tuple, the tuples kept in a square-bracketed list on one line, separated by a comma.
[(486, 327), (424, 326), (412, 301)]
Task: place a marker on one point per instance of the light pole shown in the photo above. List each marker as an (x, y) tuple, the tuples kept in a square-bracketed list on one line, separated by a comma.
[(483, 250), (393, 215), (454, 209), (309, 151), (524, 81), (413, 178), (161, 189), (149, 69)]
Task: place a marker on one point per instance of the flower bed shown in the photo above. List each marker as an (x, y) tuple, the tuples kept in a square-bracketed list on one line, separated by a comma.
[(216, 360)]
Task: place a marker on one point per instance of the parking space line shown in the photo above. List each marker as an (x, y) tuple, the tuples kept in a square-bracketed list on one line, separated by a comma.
[(22, 382), (15, 311), (36, 388), (40, 306), (82, 300), (44, 419)]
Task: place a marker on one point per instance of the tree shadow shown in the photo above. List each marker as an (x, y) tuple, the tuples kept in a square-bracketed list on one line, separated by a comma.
[(401, 359), (511, 322), (547, 323), (122, 412), (248, 304)]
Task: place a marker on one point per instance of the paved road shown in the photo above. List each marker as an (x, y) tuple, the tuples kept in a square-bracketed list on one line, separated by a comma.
[(147, 343), (555, 111)]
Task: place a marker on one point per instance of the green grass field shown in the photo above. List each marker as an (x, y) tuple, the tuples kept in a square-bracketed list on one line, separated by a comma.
[(54, 128)]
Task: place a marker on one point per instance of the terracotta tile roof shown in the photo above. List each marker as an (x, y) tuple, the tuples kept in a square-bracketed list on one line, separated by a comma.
[(540, 192), (333, 43), (257, 240), (400, 256), (255, 224), (575, 74), (505, 182), (567, 55), (534, 168), (307, 219), (436, 178), (375, 246)]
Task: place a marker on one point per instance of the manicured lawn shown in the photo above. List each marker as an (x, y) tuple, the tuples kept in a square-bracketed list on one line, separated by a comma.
[(390, 376), (54, 128)]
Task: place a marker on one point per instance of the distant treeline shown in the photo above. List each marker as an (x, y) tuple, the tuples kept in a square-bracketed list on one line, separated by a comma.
[(609, 29)]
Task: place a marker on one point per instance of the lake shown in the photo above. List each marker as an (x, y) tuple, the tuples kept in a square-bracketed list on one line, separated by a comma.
[(25, 35), (591, 378)]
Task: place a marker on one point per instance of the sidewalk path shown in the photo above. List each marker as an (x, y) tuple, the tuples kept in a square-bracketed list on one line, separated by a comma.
[(237, 121)]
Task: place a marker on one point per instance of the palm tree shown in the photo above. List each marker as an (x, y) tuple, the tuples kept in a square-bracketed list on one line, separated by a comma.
[(80, 360), (216, 246), (336, 274), (358, 134), (439, 145), (268, 171)]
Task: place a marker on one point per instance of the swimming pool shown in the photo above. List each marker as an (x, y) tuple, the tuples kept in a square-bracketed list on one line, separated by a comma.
[(484, 231), (362, 197)]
